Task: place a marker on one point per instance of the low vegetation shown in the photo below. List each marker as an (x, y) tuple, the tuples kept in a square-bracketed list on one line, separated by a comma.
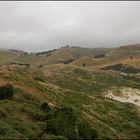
[(21, 64), (65, 122), (123, 68), (6, 91)]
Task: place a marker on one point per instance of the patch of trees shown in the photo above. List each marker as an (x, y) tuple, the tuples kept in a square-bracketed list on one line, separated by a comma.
[(21, 64), (67, 123), (46, 52), (40, 66), (25, 53), (123, 68), (45, 107), (18, 51), (71, 60), (6, 91), (68, 61), (84, 64), (66, 46), (100, 56), (85, 131), (39, 78)]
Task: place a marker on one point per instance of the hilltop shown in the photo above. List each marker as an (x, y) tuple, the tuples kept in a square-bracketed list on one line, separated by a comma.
[(62, 55), (76, 56), (131, 47)]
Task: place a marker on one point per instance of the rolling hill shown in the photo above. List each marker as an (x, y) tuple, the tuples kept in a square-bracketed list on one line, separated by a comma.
[(129, 54), (61, 55), (55, 96)]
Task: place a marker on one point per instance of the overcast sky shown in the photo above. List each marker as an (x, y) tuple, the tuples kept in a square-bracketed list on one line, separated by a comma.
[(38, 26)]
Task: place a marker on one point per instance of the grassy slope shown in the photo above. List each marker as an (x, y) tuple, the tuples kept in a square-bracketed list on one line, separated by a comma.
[(67, 85), (118, 55), (78, 87), (6, 56)]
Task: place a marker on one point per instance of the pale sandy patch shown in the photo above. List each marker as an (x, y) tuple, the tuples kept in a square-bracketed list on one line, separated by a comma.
[(127, 95)]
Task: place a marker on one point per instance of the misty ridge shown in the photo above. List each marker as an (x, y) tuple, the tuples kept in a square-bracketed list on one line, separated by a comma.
[(69, 70)]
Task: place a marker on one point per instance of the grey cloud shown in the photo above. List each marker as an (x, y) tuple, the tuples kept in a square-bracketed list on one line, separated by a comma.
[(36, 26)]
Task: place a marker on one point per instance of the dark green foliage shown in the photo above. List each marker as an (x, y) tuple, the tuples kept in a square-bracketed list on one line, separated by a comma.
[(50, 115), (19, 63), (123, 68), (6, 132), (84, 64), (6, 91), (100, 56), (39, 79), (53, 137), (69, 61), (45, 107), (33, 112), (3, 113), (29, 130), (40, 66), (48, 53), (86, 131), (63, 123)]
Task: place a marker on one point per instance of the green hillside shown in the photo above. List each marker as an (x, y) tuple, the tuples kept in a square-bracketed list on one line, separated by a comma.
[(42, 98), (78, 90)]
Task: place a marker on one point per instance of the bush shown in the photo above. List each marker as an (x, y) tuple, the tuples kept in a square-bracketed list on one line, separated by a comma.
[(100, 56), (84, 64), (6, 91), (21, 64), (45, 107), (33, 113), (53, 137), (86, 131), (63, 123), (40, 66)]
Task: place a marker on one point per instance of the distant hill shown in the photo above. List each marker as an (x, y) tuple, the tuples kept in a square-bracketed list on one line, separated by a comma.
[(124, 52), (129, 54), (6, 56), (131, 47), (76, 56), (62, 55), (10, 55), (17, 51)]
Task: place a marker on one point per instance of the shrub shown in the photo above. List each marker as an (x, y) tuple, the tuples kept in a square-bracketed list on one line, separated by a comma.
[(6, 91), (86, 131), (45, 107), (6, 132), (40, 66), (100, 56), (21, 64), (84, 64), (33, 113), (39, 79), (53, 137), (63, 123), (68, 61)]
